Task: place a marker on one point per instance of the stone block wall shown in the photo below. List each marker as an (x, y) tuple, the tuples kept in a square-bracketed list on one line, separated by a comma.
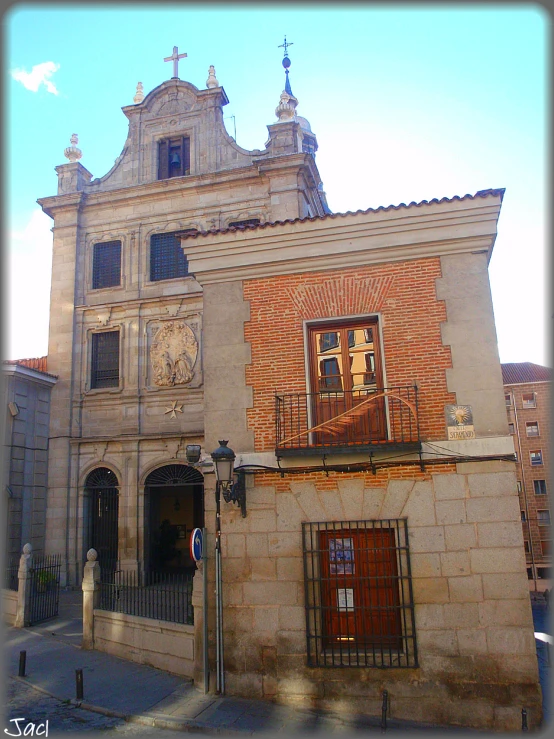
[(477, 661)]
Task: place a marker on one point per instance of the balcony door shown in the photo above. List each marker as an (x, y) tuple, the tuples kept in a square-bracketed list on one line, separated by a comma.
[(345, 367)]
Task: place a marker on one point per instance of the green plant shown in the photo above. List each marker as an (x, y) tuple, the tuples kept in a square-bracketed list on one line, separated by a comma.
[(46, 578)]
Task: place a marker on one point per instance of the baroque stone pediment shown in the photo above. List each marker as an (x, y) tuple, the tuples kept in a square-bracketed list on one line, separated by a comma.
[(173, 354), (172, 103)]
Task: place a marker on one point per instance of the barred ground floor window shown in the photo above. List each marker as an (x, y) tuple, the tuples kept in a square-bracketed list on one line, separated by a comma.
[(358, 594)]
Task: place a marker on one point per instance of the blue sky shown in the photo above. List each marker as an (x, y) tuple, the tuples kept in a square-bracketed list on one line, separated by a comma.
[(408, 103)]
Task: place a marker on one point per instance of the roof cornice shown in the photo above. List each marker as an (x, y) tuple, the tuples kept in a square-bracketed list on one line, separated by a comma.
[(336, 242)]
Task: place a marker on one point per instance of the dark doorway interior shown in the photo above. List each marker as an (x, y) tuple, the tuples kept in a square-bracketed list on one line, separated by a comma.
[(175, 506), (102, 501)]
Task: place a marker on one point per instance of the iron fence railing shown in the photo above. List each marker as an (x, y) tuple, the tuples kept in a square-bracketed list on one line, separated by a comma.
[(44, 596), (11, 581), (159, 595), (355, 418)]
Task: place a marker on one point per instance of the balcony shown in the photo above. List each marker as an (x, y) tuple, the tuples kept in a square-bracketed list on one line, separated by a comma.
[(369, 419)]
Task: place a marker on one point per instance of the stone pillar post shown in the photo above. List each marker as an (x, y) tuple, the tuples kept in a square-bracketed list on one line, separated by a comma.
[(198, 608), (91, 592), (23, 615)]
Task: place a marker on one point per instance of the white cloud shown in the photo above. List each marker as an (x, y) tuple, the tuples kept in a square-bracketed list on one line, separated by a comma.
[(27, 292), (39, 75)]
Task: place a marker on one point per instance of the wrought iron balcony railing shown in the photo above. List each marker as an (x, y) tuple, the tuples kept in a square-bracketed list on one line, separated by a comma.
[(355, 420)]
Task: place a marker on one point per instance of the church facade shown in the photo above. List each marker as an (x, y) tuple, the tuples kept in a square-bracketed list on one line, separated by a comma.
[(203, 292)]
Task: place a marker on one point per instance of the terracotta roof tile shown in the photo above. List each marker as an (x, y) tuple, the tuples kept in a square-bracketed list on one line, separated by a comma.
[(520, 372), (480, 194), (40, 364)]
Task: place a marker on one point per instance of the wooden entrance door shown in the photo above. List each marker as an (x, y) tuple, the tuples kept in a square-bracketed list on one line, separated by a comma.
[(345, 371), (360, 598)]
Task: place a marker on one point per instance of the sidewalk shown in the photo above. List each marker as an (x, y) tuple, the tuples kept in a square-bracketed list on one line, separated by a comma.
[(145, 695)]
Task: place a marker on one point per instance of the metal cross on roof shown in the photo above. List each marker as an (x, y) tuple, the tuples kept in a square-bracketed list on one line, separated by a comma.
[(175, 59), (285, 46)]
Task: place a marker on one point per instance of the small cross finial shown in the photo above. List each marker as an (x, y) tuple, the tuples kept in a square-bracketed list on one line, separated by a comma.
[(175, 59), (285, 46)]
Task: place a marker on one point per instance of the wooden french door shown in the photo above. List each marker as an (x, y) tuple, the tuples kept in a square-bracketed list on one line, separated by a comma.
[(360, 597), (345, 370)]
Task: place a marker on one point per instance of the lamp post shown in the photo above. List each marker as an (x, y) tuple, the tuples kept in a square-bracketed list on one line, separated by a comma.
[(223, 458), (233, 492)]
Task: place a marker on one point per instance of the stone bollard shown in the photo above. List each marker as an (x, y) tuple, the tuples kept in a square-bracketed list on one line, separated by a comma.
[(23, 613), (91, 592)]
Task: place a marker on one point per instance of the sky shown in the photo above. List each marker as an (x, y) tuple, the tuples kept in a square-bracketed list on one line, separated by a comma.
[(408, 103)]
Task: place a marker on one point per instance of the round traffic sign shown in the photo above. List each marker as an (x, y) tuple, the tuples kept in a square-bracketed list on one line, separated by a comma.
[(196, 544)]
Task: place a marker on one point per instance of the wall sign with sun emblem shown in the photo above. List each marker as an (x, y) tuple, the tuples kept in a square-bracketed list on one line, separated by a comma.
[(459, 422)]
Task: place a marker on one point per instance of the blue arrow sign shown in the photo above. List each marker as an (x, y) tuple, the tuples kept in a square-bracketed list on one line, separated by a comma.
[(196, 544)]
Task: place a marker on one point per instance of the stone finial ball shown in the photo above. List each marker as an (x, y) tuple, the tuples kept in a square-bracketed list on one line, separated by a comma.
[(92, 555), (27, 549)]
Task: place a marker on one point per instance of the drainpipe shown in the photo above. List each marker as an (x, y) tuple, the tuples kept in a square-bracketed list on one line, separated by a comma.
[(524, 489)]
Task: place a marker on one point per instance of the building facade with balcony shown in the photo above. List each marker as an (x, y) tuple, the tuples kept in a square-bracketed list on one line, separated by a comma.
[(350, 360), (527, 395)]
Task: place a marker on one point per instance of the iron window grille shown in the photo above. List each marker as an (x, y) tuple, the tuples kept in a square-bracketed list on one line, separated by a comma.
[(105, 360), (167, 259), (358, 594), (106, 265)]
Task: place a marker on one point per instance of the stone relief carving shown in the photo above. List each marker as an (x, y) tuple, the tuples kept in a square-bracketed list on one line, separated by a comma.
[(173, 354)]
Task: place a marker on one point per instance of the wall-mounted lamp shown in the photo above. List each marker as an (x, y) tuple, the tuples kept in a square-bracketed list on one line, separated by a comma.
[(193, 453), (233, 491)]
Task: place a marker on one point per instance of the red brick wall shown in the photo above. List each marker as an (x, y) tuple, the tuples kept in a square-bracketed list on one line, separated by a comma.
[(403, 293)]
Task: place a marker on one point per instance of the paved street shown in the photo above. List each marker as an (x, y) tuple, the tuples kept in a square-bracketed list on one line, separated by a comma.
[(33, 707)]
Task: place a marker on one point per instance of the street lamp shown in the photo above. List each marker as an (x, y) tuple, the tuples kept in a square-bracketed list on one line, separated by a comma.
[(233, 492)]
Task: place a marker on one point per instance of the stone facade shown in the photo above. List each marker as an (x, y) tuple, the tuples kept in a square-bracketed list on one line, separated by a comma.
[(26, 392), (201, 356)]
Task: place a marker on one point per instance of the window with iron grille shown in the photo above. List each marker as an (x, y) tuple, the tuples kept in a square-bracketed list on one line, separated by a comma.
[(173, 157), (105, 360), (167, 259), (358, 594), (106, 265)]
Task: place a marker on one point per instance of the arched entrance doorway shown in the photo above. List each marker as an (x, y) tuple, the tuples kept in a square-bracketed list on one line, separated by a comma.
[(101, 503), (174, 497)]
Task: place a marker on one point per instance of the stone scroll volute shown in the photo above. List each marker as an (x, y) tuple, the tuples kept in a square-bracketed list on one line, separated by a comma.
[(173, 354)]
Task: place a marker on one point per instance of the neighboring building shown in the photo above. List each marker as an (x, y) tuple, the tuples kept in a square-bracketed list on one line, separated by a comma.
[(212, 295), (26, 391), (527, 394)]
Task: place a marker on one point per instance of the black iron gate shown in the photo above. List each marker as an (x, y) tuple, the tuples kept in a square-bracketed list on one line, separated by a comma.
[(103, 500), (44, 586)]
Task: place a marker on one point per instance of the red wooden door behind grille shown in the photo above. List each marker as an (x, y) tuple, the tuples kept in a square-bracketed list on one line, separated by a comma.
[(359, 590)]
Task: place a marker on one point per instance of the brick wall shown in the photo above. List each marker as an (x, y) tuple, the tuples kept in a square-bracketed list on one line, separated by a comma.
[(403, 294)]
